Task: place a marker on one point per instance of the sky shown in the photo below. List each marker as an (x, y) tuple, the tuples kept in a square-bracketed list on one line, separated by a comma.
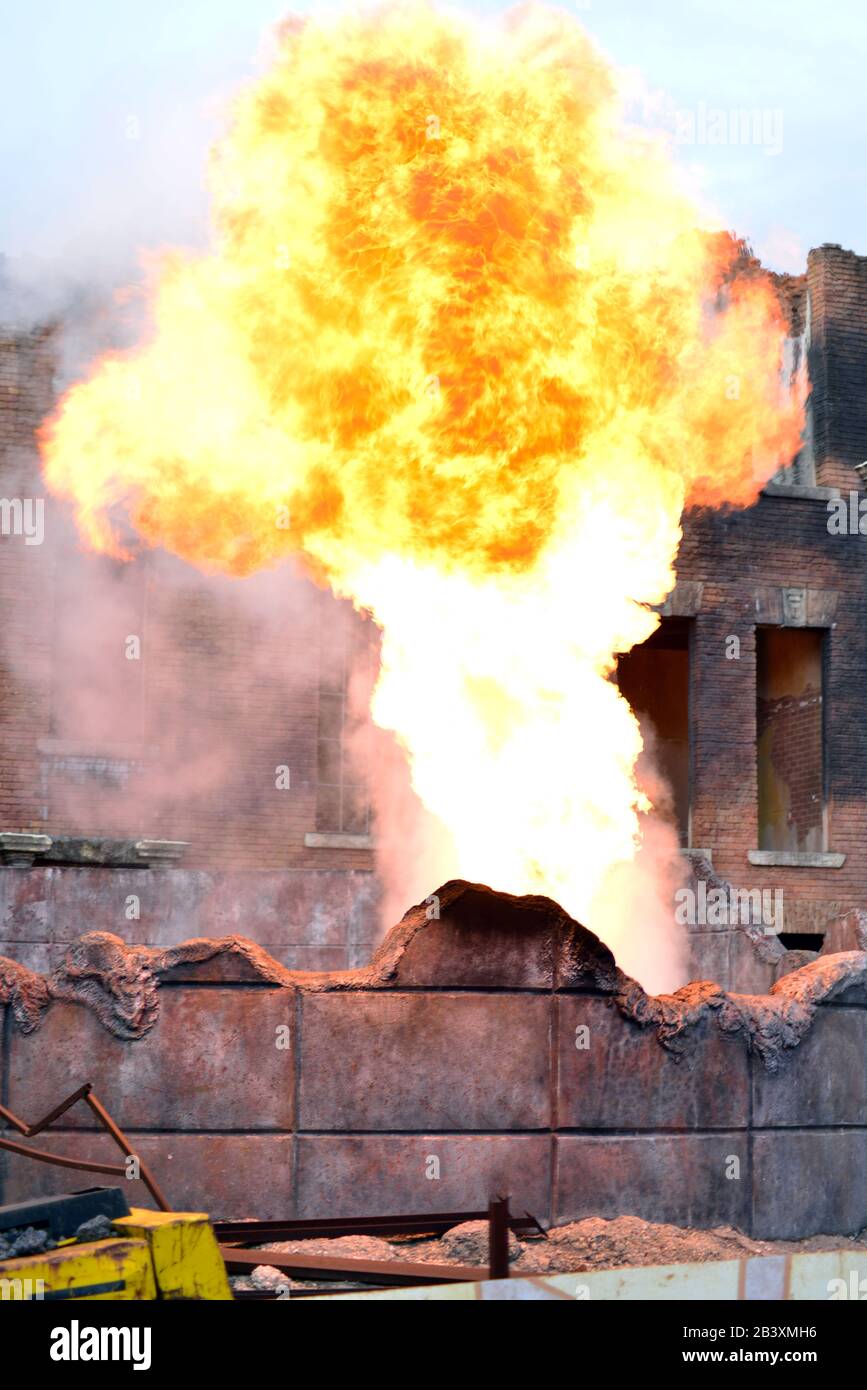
[(107, 110)]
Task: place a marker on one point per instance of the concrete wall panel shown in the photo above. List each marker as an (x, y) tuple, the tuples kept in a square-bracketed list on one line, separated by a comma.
[(211, 1061), (377, 1174), (616, 1075), (390, 1061)]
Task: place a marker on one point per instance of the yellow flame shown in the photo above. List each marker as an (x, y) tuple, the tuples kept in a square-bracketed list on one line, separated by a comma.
[(462, 343)]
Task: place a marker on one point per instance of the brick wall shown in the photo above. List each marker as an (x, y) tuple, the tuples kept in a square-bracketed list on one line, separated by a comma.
[(744, 561), (777, 564), (26, 369)]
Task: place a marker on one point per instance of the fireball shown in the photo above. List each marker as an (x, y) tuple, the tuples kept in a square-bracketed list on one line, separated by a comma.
[(463, 345)]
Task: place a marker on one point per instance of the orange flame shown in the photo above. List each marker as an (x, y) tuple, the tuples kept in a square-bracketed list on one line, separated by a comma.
[(462, 344)]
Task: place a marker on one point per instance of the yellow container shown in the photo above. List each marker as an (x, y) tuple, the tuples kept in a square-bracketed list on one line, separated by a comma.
[(186, 1257), (99, 1270)]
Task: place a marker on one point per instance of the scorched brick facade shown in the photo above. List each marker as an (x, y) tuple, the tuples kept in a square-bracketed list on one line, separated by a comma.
[(185, 743)]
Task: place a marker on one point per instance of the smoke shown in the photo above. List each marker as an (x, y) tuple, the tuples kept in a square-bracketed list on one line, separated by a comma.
[(173, 704), (414, 852), (179, 705), (638, 896)]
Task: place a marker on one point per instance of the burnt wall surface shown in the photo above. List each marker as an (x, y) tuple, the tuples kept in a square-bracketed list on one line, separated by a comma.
[(495, 1046), (188, 746)]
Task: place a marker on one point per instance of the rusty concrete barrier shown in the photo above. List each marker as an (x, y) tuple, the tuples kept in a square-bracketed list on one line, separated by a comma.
[(492, 1043), (306, 919)]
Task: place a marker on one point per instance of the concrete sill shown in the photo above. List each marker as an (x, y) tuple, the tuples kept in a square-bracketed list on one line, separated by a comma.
[(337, 840), (787, 859), (800, 490)]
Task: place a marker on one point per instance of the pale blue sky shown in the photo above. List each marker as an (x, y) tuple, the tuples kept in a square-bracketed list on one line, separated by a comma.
[(76, 77)]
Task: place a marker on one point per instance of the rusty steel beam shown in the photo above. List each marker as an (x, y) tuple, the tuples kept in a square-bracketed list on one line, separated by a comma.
[(498, 1238), (123, 1143), (383, 1272), (80, 1165), (86, 1094), (30, 1130), (436, 1223)]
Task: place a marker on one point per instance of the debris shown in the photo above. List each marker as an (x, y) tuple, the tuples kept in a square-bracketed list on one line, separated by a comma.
[(467, 1244), (97, 1228), (268, 1278), (27, 1241), (595, 1243)]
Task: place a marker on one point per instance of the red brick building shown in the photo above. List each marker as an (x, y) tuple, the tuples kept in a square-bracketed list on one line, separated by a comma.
[(180, 752)]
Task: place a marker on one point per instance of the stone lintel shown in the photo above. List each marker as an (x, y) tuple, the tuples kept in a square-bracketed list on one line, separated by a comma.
[(795, 605)]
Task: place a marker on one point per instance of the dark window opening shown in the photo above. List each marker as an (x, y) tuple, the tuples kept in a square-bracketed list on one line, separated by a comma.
[(655, 677), (801, 940), (790, 739)]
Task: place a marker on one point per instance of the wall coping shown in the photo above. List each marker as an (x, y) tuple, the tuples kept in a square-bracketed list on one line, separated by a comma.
[(21, 848)]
